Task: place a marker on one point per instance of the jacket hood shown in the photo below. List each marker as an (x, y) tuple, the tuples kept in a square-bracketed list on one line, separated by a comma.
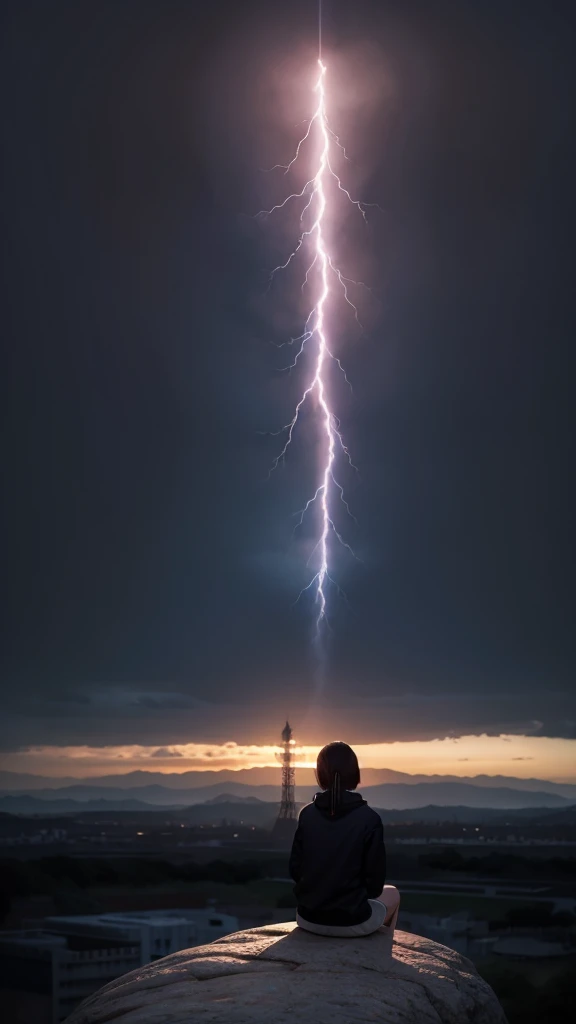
[(348, 802)]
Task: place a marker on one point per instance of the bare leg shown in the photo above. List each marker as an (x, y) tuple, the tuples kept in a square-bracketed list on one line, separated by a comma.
[(390, 897)]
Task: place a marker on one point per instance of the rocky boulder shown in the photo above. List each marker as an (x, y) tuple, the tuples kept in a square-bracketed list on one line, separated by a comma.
[(280, 974)]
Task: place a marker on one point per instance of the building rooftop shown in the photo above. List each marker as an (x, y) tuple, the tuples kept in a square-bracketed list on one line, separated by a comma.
[(138, 917), (32, 937)]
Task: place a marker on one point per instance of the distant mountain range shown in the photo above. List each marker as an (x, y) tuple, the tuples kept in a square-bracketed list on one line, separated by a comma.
[(11, 782), (392, 796), (23, 804)]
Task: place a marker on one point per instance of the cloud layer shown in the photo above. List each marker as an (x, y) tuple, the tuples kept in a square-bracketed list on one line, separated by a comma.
[(124, 715)]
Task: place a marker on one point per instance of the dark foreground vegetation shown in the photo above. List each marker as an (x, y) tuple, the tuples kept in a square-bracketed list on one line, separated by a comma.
[(533, 996), (59, 877)]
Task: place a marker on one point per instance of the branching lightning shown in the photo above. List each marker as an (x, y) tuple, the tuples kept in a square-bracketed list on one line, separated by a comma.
[(323, 277)]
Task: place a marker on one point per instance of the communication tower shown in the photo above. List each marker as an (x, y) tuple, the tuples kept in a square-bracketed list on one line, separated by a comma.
[(286, 821)]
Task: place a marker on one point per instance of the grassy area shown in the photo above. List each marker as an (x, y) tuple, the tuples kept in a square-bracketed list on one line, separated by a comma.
[(443, 904), (260, 892), (266, 893)]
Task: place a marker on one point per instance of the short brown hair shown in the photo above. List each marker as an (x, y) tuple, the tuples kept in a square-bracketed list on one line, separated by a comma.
[(338, 758)]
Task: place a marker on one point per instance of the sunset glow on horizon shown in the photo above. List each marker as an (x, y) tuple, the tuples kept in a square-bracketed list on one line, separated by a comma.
[(520, 756)]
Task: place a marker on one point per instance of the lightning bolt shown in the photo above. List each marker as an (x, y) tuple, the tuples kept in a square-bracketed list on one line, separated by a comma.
[(323, 275)]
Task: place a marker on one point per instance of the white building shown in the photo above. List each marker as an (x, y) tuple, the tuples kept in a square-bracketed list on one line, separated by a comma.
[(156, 932), (71, 957)]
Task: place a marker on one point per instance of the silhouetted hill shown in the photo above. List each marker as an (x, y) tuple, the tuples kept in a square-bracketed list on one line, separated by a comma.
[(262, 815), (559, 816), (455, 794)]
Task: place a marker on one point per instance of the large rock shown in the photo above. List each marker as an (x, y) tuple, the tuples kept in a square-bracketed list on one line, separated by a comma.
[(280, 974)]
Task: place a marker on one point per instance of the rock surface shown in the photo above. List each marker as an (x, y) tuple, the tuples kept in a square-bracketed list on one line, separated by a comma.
[(280, 974)]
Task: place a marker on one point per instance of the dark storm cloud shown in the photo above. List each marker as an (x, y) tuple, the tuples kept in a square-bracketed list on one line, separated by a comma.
[(151, 571), (166, 701), (562, 727), (118, 717)]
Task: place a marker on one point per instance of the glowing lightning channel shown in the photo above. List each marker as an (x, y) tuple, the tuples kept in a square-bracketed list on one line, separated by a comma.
[(315, 194)]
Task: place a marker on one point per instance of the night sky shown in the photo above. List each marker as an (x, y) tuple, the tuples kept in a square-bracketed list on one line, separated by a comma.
[(149, 574)]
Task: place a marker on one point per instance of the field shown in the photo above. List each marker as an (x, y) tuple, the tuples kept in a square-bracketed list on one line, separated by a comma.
[(481, 908)]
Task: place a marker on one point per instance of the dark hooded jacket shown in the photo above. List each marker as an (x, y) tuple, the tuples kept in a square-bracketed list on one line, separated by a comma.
[(338, 861)]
